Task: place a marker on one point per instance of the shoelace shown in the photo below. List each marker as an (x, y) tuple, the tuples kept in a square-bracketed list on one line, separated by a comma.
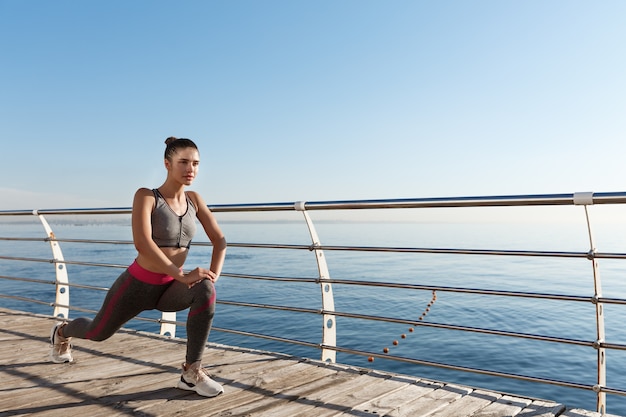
[(199, 373), (64, 346)]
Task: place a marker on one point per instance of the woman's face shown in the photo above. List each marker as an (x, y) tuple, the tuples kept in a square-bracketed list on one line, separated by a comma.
[(183, 167)]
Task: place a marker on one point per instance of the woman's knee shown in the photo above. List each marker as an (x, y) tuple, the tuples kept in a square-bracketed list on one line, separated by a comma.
[(203, 299), (204, 290)]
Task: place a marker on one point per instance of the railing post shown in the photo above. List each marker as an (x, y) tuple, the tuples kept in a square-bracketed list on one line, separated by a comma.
[(62, 298), (168, 329), (586, 199), (329, 325)]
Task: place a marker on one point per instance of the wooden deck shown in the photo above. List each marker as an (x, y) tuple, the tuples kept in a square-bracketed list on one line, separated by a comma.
[(134, 373)]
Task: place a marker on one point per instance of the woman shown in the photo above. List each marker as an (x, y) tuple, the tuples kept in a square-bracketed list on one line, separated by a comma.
[(163, 224)]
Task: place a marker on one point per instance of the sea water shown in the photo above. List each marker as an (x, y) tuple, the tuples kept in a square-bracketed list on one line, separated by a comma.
[(561, 275)]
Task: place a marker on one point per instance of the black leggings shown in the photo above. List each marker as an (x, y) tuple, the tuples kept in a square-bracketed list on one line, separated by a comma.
[(128, 297)]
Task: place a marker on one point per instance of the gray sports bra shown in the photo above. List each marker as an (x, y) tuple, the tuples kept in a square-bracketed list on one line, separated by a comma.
[(169, 230)]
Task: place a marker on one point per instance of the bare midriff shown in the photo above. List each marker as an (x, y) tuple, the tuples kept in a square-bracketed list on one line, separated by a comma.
[(176, 255)]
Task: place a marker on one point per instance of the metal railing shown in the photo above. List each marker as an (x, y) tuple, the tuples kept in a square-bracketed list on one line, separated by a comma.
[(328, 345)]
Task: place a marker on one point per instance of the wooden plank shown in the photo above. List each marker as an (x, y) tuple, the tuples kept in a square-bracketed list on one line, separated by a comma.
[(504, 406), (467, 405), (541, 408)]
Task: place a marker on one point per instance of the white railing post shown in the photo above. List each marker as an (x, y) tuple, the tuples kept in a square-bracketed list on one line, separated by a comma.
[(329, 325), (586, 199), (62, 298), (168, 329)]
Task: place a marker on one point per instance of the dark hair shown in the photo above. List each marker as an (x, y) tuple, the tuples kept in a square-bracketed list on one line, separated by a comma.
[(174, 144)]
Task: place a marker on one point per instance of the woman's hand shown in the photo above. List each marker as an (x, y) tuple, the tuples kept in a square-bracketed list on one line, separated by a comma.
[(198, 275)]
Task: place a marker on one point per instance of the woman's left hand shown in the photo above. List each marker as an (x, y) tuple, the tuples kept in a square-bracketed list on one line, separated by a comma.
[(202, 274)]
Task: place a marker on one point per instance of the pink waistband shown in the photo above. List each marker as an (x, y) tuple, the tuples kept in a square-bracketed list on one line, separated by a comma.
[(148, 277)]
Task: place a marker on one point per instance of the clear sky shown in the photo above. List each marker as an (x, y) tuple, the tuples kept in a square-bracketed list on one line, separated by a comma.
[(311, 100)]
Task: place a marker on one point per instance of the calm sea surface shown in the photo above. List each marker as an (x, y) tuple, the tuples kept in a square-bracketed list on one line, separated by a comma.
[(530, 274)]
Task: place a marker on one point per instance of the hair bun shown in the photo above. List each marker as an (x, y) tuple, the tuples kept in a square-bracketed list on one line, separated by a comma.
[(170, 140)]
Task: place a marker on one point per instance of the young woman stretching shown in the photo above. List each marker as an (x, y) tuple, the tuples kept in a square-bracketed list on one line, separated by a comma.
[(163, 224)]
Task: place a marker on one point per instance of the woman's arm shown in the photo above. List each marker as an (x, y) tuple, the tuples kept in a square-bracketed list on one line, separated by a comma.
[(213, 231)]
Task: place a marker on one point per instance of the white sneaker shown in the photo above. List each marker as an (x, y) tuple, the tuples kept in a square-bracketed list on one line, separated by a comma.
[(195, 378), (61, 349)]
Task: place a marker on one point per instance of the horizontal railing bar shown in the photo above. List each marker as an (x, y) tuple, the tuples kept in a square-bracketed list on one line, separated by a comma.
[(99, 241), (271, 246), (270, 278), (427, 324), (56, 239), (609, 300), (83, 286), (558, 297), (453, 251), (24, 239), (54, 282), (26, 299), (449, 251), (271, 307), (16, 258), (488, 201), (107, 210), (511, 200), (98, 264), (471, 201), (463, 290), (65, 261), (32, 280), (463, 328), (465, 369), (616, 391), (267, 337)]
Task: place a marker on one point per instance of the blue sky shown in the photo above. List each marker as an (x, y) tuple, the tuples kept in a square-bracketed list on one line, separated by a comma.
[(311, 100)]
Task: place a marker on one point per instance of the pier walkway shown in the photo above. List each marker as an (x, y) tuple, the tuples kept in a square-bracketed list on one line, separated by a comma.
[(134, 373)]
